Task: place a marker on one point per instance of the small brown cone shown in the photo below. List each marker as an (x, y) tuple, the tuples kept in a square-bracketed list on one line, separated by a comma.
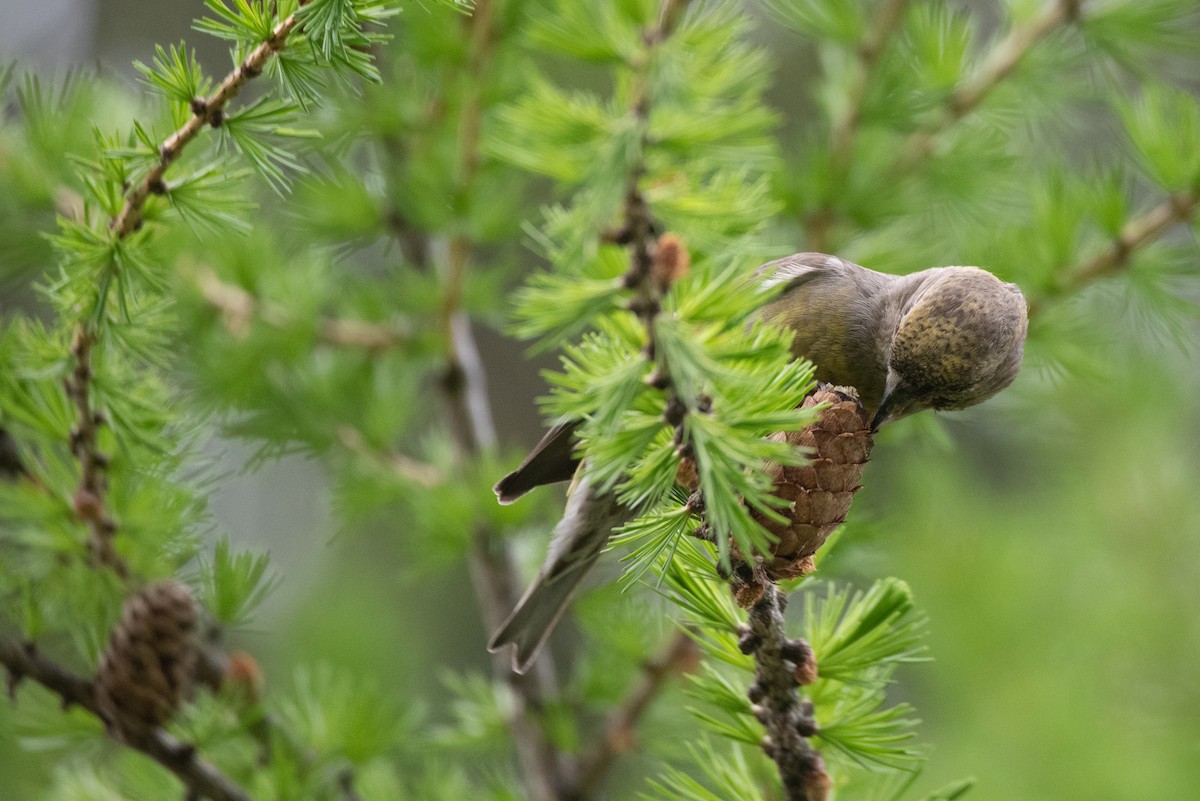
[(817, 785), (245, 677), (806, 669), (671, 260), (687, 475), (146, 671), (820, 491)]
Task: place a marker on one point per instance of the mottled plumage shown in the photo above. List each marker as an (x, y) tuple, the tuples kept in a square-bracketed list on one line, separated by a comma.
[(943, 338)]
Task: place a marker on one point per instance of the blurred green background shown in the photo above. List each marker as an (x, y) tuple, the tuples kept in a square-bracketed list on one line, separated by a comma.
[(1052, 535)]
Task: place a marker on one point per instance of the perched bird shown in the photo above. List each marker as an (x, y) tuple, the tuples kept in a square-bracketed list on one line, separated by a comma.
[(944, 338)]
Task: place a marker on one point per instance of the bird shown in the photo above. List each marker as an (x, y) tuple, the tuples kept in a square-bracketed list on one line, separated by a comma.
[(943, 338)]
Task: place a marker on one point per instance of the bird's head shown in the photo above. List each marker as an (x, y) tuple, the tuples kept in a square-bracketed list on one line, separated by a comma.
[(959, 342)]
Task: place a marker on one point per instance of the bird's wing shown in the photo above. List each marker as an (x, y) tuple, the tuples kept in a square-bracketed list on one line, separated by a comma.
[(800, 267), (550, 461)]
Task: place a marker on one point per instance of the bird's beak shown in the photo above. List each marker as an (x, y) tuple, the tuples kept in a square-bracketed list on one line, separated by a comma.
[(893, 404), (882, 415)]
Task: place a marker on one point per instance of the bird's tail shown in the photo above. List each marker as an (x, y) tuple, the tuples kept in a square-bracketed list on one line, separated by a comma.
[(578, 541), (551, 460), (536, 615)]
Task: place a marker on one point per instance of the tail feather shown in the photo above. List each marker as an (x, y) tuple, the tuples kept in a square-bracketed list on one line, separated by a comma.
[(579, 538), (551, 460), (530, 624)]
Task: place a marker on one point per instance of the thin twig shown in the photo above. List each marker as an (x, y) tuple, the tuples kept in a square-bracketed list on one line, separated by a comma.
[(1118, 254), (870, 53), (845, 128), (89, 499), (465, 379), (10, 457), (545, 770), (239, 308), (420, 473), (619, 729), (639, 226), (412, 240), (205, 111), (999, 63), (345, 782), (202, 779), (638, 233), (1138, 232)]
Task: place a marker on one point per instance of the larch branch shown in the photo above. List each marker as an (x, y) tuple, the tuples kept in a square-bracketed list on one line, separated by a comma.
[(1118, 254), (203, 780), (620, 727), (1000, 62)]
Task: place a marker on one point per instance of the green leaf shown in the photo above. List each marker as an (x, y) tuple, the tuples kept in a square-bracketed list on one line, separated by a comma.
[(478, 712), (597, 32), (730, 465), (729, 774), (822, 19), (861, 730), (234, 584), (326, 23), (332, 712), (299, 75), (250, 131), (212, 199), (855, 635), (691, 582), (602, 377), (937, 45), (246, 23), (731, 716), (654, 538), (176, 73), (1164, 127), (1143, 35), (557, 307)]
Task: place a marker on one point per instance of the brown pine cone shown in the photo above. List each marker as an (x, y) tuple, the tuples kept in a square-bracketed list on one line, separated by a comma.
[(146, 670), (821, 490)]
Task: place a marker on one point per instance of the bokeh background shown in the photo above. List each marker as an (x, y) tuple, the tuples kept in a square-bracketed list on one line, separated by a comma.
[(1051, 535)]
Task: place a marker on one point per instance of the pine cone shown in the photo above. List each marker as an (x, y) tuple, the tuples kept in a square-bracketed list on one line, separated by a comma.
[(146, 670), (821, 491)]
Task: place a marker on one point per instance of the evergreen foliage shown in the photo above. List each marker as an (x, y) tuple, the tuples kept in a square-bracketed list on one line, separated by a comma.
[(295, 254)]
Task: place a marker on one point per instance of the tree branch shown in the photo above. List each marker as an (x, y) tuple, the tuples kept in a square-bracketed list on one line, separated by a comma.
[(89, 499), (202, 779), (999, 63), (239, 308), (205, 111), (788, 719), (619, 729), (1136, 233), (545, 770), (845, 129), (420, 473), (1117, 256)]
